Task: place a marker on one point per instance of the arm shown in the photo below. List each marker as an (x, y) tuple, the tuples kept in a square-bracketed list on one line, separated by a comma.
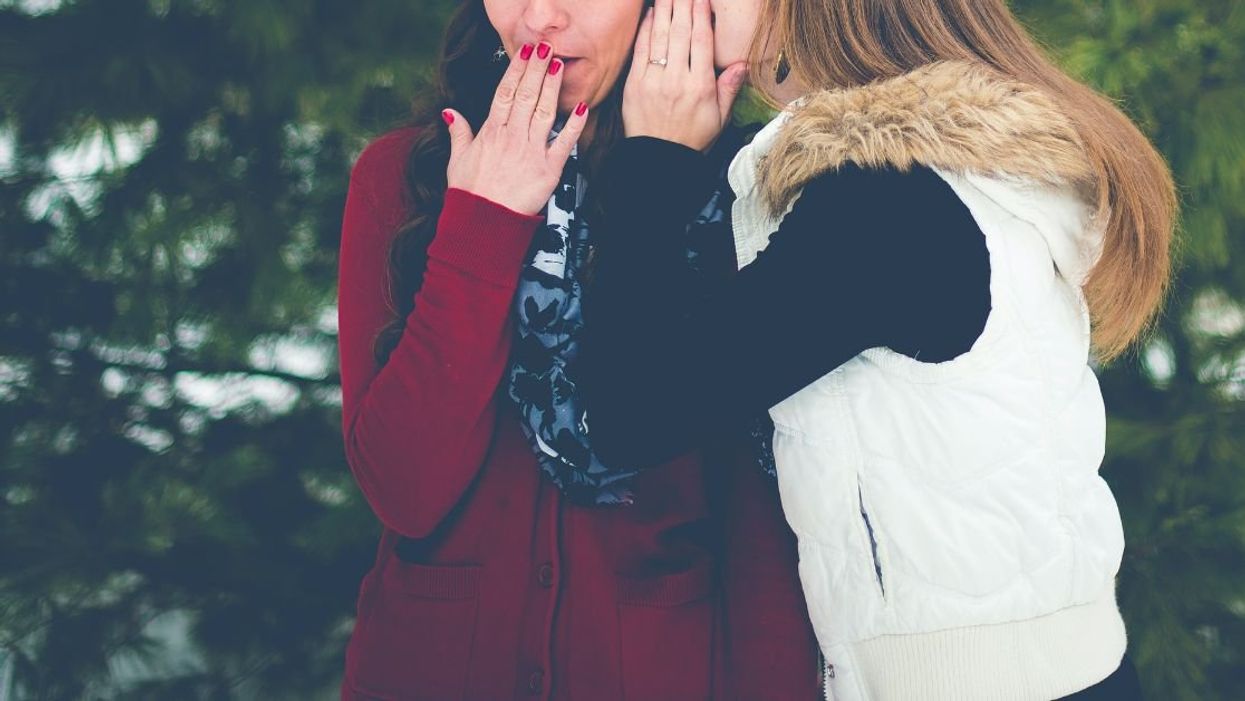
[(847, 270), (416, 430)]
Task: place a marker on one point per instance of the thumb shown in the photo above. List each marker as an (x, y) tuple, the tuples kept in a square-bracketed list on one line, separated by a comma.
[(730, 83), (461, 135)]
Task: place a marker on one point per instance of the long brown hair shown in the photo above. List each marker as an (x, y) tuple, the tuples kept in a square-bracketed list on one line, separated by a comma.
[(849, 43), (466, 78)]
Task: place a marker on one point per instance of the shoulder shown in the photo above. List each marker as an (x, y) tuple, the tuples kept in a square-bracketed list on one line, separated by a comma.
[(881, 189), (386, 154), (907, 238), (881, 207), (378, 177), (908, 226)]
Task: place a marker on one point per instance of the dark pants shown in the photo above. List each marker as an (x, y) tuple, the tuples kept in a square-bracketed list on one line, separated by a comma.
[(1122, 685)]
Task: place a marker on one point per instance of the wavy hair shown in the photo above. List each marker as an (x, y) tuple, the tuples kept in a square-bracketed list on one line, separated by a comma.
[(834, 44), (466, 79)]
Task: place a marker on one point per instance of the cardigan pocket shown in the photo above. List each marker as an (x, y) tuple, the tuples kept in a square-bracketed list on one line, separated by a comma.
[(415, 641), (666, 631)]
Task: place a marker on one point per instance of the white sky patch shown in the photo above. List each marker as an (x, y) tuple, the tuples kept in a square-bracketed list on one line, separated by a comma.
[(8, 154), (14, 377), (1234, 386), (291, 355), (1159, 362), (222, 394), (113, 381), (103, 152), (34, 7), (171, 633), (190, 335), (156, 440), (1215, 314), (75, 167), (327, 321)]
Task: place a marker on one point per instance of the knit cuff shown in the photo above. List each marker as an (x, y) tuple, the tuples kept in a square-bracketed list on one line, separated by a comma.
[(482, 238)]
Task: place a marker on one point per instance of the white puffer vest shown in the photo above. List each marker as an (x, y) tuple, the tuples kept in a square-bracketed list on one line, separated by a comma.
[(956, 541)]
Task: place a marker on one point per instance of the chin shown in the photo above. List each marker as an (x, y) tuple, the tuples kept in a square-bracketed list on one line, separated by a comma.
[(570, 99)]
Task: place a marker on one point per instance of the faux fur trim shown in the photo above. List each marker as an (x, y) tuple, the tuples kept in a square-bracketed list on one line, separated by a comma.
[(955, 116)]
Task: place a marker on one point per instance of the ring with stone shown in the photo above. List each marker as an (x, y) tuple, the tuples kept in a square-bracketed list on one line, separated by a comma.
[(659, 61)]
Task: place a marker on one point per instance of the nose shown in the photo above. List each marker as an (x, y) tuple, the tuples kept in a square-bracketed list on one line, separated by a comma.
[(545, 17)]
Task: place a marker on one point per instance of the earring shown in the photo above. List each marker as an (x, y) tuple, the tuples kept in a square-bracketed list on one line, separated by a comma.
[(500, 54), (782, 67)]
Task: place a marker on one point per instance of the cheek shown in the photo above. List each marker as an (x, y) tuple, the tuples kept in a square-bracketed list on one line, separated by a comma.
[(734, 48), (614, 39)]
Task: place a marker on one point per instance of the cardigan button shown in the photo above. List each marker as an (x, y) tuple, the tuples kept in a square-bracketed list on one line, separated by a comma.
[(536, 682), (544, 575)]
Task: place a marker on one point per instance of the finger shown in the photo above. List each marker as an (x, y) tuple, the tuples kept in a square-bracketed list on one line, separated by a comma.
[(528, 93), (461, 135), (702, 39), (643, 40), (547, 107), (503, 98), (660, 43), (560, 149), (681, 35), (730, 83)]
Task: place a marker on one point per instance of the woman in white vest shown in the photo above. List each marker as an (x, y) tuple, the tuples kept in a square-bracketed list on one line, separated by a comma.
[(935, 238)]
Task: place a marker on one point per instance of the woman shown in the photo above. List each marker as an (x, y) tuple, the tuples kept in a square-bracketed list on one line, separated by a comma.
[(933, 237), (491, 580)]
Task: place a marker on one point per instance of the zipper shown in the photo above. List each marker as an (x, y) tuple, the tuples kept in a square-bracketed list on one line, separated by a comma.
[(827, 673)]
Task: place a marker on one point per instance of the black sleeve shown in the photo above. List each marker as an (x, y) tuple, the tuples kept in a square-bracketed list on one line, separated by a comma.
[(866, 258)]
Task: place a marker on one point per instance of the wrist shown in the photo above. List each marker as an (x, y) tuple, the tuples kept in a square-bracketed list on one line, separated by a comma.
[(481, 237), (692, 142), (657, 174)]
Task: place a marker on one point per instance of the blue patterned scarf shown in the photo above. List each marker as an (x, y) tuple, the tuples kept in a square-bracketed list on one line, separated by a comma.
[(550, 320)]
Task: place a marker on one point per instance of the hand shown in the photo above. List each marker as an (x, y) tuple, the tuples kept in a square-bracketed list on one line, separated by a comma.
[(680, 101), (511, 162)]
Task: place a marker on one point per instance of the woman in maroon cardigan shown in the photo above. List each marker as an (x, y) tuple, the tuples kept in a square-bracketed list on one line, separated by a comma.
[(489, 582)]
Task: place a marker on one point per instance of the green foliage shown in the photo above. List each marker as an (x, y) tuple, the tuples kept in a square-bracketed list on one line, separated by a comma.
[(177, 518), (1176, 435)]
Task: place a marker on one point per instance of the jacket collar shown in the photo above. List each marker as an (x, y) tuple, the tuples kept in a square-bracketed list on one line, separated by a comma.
[(955, 116)]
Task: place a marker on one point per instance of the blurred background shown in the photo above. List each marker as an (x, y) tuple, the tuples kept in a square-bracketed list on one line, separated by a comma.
[(177, 520)]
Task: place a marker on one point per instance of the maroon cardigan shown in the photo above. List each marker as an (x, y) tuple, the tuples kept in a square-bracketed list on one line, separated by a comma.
[(488, 584)]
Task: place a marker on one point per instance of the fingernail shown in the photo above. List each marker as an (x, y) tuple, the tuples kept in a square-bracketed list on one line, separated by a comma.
[(580, 109), (544, 49), (526, 52), (448, 116), (554, 66)]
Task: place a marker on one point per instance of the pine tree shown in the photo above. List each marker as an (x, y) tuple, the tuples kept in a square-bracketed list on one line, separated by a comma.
[(178, 522), (1176, 431), (176, 517)]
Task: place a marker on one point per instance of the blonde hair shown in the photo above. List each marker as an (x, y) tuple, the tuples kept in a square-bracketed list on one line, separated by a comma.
[(834, 44)]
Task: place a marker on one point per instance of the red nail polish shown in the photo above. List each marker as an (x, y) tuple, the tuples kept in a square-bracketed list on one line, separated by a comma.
[(580, 109), (448, 116), (544, 49), (554, 66), (526, 52)]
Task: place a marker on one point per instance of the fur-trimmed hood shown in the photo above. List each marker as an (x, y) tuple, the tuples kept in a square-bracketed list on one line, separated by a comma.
[(955, 116)]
